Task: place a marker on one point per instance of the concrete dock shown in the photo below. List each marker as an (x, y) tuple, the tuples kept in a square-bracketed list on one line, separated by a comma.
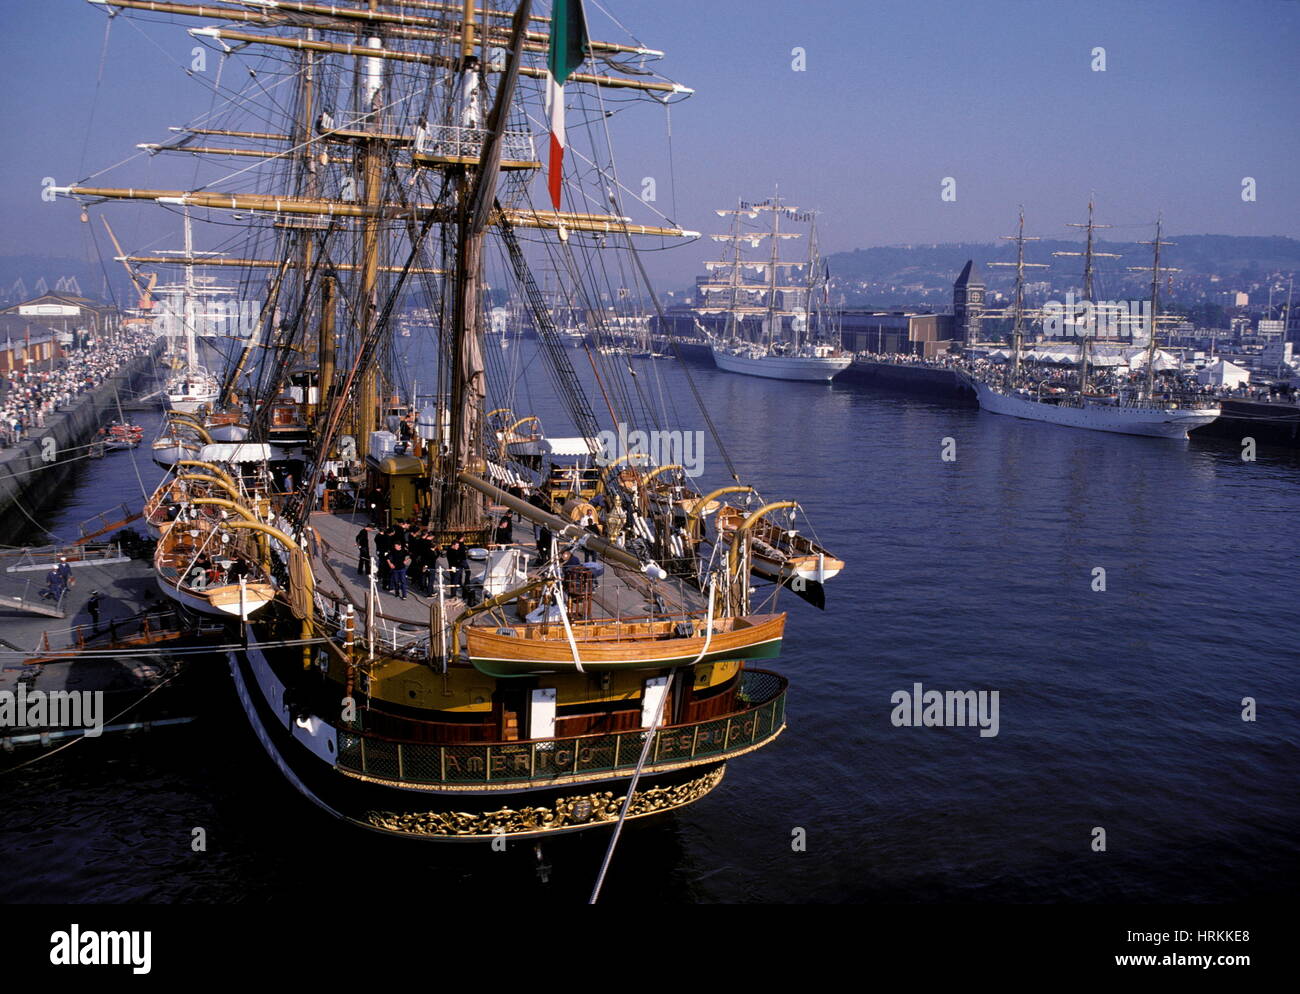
[(126, 658), (35, 468)]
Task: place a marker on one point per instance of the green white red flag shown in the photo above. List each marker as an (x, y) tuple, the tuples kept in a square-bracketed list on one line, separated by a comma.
[(568, 48)]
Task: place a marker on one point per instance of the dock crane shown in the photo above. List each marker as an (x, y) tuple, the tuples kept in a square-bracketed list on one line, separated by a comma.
[(145, 290)]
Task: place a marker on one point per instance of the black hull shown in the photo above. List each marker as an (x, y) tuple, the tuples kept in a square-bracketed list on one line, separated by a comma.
[(460, 816)]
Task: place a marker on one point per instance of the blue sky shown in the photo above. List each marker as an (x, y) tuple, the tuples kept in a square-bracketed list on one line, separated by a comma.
[(896, 96)]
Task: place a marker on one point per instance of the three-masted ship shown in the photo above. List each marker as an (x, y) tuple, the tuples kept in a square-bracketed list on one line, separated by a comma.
[(453, 626), (1147, 408), (771, 300)]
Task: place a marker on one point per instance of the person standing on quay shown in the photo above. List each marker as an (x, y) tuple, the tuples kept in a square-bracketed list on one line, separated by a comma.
[(363, 551), (589, 523), (383, 545), (456, 560), (505, 529), (378, 510), (397, 569), (53, 585), (543, 545), (430, 554)]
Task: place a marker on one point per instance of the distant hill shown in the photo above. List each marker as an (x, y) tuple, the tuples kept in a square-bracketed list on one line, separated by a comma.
[(1250, 257), (21, 275), (1235, 258)]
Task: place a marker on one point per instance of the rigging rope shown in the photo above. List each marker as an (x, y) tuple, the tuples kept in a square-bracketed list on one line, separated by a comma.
[(566, 380), (651, 733), (99, 79), (47, 755), (663, 322)]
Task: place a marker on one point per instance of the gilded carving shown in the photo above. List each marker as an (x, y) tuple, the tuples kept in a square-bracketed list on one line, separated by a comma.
[(568, 812)]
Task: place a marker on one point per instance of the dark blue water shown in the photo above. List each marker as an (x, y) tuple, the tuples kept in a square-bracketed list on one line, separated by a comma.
[(1118, 709)]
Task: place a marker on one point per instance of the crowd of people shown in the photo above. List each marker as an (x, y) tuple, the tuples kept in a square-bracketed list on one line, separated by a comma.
[(946, 360), (405, 548), (405, 555), (30, 396), (1101, 379)]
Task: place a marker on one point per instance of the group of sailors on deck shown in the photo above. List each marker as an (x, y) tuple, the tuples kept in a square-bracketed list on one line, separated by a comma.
[(406, 548), (407, 554)]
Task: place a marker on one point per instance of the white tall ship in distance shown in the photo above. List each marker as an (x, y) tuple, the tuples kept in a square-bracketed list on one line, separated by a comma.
[(182, 317), (772, 299), (1132, 411)]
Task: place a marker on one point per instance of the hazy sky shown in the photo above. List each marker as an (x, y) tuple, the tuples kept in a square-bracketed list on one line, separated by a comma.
[(896, 96)]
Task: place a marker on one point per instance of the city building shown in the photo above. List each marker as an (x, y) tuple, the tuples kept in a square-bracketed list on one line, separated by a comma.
[(864, 330), (26, 344), (1270, 330), (968, 303), (65, 312)]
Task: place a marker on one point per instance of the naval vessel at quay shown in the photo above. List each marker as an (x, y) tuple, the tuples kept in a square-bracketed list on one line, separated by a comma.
[(457, 454)]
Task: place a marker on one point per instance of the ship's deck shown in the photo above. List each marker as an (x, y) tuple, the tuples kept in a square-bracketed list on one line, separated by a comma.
[(619, 593)]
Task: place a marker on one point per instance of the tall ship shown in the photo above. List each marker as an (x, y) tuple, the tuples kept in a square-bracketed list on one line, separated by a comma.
[(1142, 407), (181, 319), (184, 314), (456, 624), (807, 354)]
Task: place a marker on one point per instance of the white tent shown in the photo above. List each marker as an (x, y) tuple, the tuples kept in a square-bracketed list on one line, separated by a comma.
[(1107, 359), (1223, 374), (1060, 358), (1137, 359)]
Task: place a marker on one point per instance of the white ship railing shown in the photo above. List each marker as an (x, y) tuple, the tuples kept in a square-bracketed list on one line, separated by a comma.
[(452, 141)]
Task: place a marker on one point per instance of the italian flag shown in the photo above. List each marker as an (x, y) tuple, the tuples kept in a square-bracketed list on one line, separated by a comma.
[(568, 49)]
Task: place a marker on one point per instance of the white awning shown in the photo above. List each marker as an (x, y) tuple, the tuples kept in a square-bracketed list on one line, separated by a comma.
[(555, 447), (240, 452)]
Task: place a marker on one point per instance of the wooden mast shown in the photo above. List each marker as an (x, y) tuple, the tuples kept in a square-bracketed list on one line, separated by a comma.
[(460, 507), (371, 154), (1088, 255), (312, 184), (325, 350), (457, 508), (734, 325), (812, 270), (1155, 306), (771, 275), (1017, 327)]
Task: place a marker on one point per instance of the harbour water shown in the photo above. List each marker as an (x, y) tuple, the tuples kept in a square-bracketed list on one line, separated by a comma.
[(1119, 709)]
